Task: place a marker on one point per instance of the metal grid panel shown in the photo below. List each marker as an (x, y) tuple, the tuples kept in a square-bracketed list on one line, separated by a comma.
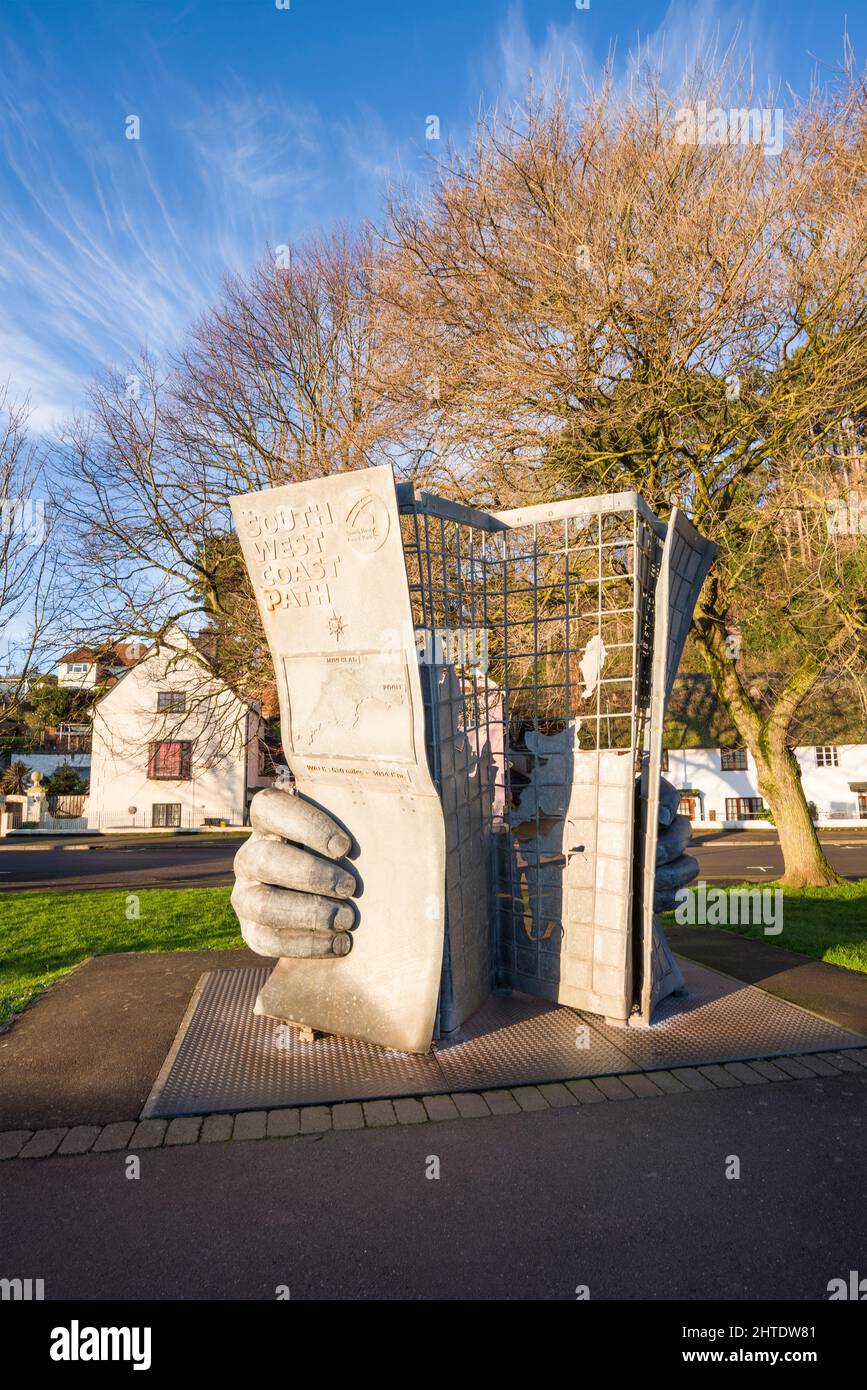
[(227, 1058), (515, 1040), (535, 630)]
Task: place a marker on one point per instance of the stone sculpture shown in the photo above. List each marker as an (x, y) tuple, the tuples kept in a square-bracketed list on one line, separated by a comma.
[(404, 874)]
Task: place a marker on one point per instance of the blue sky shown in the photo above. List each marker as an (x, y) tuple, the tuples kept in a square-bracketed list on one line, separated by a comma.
[(259, 125)]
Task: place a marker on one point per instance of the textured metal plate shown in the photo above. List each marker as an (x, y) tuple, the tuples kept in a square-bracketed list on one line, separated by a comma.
[(227, 1058), (515, 1039), (723, 1020)]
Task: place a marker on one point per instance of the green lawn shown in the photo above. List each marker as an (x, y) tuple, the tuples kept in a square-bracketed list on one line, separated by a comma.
[(43, 935), (828, 923)]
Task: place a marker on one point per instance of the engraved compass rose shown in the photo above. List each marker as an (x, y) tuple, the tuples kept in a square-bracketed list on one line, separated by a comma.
[(336, 626)]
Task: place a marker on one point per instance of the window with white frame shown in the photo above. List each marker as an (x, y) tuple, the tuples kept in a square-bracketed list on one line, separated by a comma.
[(827, 756), (744, 807), (733, 759)]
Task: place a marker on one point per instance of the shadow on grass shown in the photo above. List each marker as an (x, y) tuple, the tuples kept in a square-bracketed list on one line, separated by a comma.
[(828, 924)]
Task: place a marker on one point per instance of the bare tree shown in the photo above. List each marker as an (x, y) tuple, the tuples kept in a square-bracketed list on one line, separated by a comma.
[(278, 383), (609, 299), (31, 599)]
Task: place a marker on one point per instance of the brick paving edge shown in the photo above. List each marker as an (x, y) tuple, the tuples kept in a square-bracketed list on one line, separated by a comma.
[(391, 1111)]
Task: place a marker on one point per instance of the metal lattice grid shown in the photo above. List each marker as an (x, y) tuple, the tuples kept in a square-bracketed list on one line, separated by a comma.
[(535, 632)]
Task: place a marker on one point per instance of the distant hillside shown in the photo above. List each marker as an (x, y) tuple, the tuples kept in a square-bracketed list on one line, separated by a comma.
[(835, 713)]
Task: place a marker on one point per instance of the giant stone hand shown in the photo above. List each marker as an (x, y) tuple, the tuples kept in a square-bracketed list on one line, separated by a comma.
[(291, 895), (674, 869)]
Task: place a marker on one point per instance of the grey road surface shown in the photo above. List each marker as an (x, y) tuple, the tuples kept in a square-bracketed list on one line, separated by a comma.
[(182, 861), (754, 855), (171, 862), (629, 1198)]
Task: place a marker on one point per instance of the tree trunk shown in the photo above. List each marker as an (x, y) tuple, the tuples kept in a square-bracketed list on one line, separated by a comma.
[(779, 777), (779, 780)]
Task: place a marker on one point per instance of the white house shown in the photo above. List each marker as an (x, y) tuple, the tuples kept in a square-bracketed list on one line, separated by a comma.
[(173, 747), (720, 784), (86, 667)]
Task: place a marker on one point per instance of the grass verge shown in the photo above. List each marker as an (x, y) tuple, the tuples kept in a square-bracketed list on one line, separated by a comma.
[(827, 923), (44, 935)]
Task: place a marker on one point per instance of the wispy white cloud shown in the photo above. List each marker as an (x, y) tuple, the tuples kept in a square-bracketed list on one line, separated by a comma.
[(115, 244), (516, 60)]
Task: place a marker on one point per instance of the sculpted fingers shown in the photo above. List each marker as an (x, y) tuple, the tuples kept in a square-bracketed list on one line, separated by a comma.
[(285, 866), (673, 840), (669, 800), (276, 812), (271, 941), (286, 909), (291, 901), (670, 877)]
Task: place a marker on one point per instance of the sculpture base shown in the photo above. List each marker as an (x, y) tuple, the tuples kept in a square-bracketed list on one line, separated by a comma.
[(226, 1057)]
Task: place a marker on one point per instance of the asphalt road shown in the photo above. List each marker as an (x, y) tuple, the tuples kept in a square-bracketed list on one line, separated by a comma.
[(630, 1199), (107, 862), (205, 861), (754, 855)]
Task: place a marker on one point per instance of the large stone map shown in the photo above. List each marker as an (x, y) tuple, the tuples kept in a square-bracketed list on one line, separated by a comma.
[(326, 561)]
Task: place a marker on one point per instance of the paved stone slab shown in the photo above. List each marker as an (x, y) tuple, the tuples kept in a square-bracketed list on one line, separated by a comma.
[(529, 1098), (556, 1094), (183, 1130), (347, 1116), (820, 1065), (216, 1129), (839, 1059), (250, 1124), (114, 1136), (613, 1088), (745, 1073), (469, 1105), (693, 1079), (769, 1070), (315, 1119), (440, 1108), (283, 1124), (794, 1066), (149, 1134), (668, 1082), (12, 1141), (585, 1092), (411, 1112), (719, 1077), (379, 1113), (857, 1054), (43, 1143), (80, 1139), (640, 1084), (501, 1102)]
